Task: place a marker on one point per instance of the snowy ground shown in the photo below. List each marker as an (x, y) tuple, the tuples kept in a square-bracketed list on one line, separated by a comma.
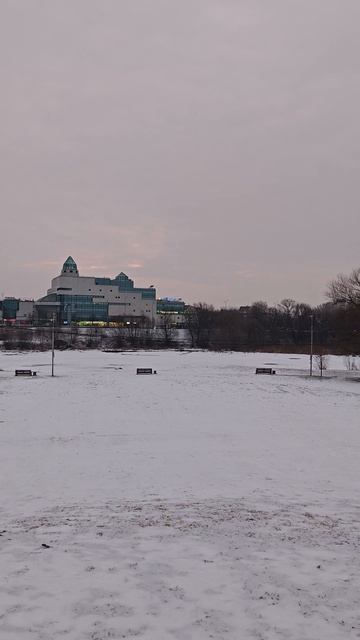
[(204, 502)]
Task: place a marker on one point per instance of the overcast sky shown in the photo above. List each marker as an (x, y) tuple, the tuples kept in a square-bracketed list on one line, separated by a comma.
[(207, 147)]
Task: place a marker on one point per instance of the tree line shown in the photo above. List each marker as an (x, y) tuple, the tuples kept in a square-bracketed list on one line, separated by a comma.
[(287, 326), (284, 327)]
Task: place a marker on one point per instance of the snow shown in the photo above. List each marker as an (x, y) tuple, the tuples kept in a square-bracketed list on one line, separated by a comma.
[(203, 502)]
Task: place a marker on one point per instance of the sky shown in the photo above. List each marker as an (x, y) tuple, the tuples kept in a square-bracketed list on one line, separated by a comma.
[(208, 147)]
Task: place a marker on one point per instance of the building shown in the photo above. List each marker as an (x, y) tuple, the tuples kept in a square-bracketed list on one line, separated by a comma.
[(173, 308), (15, 310), (75, 298)]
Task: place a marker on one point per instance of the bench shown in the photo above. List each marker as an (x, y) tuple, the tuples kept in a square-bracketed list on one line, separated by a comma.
[(24, 372), (265, 370), (142, 372)]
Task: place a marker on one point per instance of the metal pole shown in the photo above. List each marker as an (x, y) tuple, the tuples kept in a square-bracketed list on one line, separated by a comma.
[(53, 345), (311, 343)]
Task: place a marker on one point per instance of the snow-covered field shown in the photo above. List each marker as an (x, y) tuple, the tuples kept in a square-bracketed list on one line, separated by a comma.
[(203, 502)]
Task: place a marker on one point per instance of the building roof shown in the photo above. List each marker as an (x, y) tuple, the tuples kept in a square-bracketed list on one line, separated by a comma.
[(70, 266)]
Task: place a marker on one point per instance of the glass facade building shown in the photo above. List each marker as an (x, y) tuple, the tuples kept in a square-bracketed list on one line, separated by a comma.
[(170, 305), (9, 307), (75, 298)]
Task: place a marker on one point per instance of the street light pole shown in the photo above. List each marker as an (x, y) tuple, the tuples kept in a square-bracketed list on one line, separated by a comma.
[(311, 343), (52, 345)]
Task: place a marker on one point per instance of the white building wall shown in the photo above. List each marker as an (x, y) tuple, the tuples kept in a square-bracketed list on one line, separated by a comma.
[(178, 319), (121, 303), (25, 311)]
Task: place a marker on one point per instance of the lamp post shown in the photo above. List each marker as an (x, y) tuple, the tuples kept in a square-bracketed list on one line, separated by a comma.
[(311, 343), (52, 345)]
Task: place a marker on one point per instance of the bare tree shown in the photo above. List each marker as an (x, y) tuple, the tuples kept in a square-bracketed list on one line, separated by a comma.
[(295, 318), (288, 307), (42, 338), (200, 319), (166, 328), (117, 338), (345, 289), (137, 331), (74, 335), (18, 338), (321, 360)]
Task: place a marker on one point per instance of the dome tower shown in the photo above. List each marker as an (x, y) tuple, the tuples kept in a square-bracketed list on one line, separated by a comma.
[(69, 268)]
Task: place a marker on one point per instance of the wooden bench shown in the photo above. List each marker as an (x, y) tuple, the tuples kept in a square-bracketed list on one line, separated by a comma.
[(265, 370), (144, 372), (24, 372)]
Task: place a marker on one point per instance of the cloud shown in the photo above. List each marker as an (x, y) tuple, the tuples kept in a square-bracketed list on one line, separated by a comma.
[(215, 150), (41, 264)]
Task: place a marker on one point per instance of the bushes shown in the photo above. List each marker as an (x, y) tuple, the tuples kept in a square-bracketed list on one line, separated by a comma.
[(285, 327), (282, 328)]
